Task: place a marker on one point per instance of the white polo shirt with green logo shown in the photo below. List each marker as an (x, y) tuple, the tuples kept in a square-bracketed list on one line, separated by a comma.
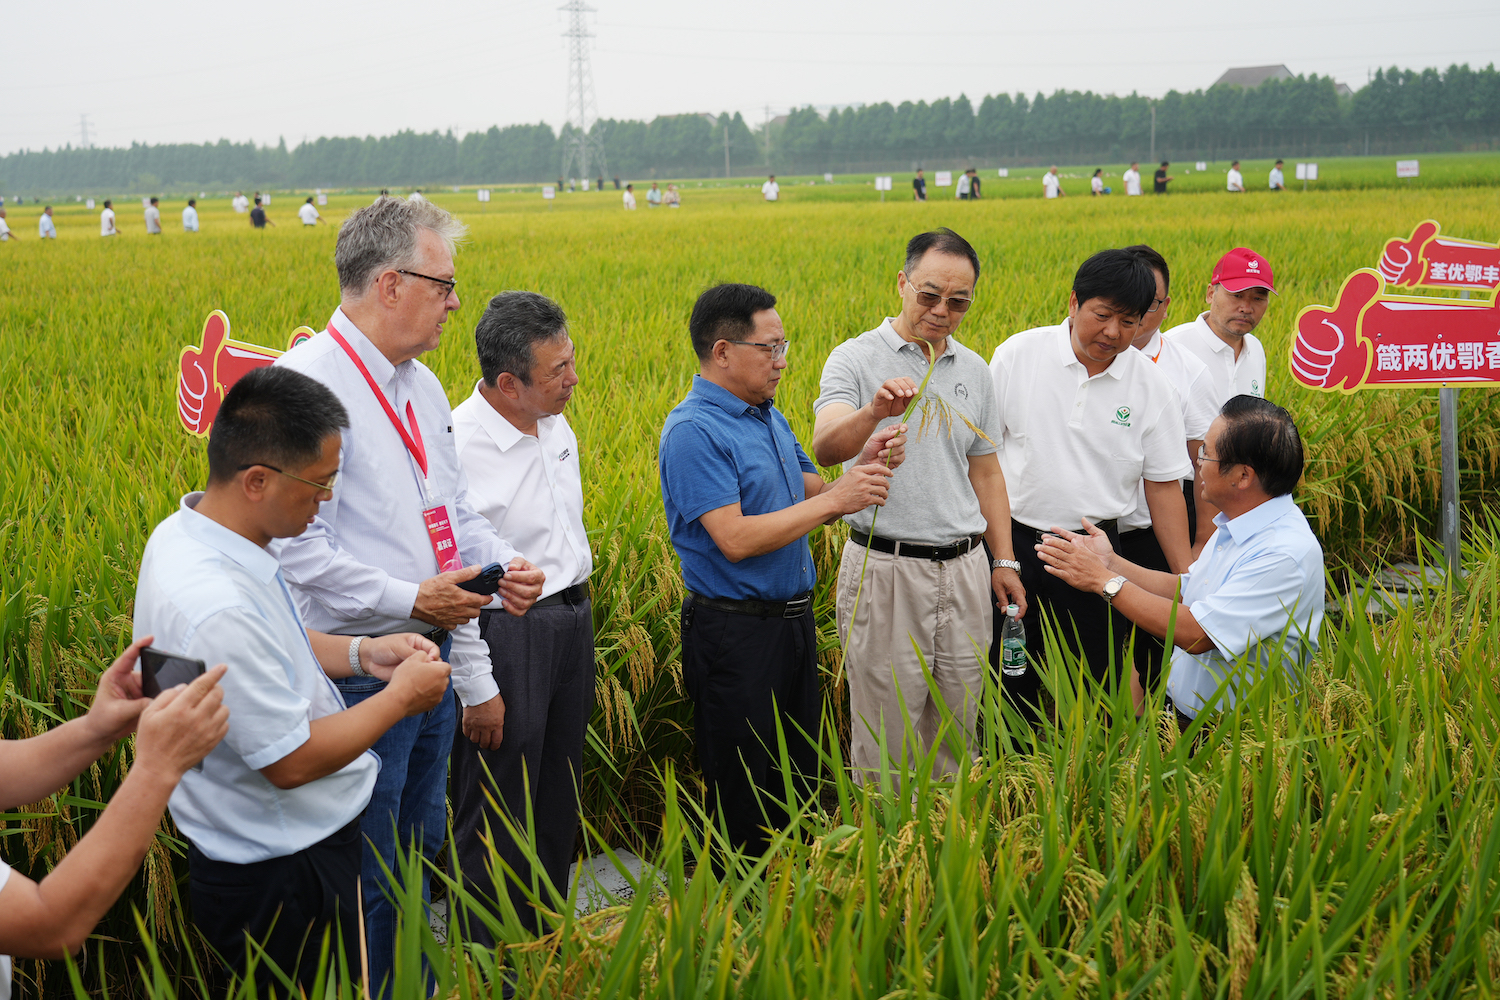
[(1074, 445)]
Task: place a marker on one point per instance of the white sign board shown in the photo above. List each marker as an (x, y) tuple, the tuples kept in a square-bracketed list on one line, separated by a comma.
[(549, 192), (484, 194), (943, 179), (145, 202), (585, 183), (828, 178), (1307, 171), (322, 199), (1202, 166), (1003, 172), (1407, 168), (89, 203), (882, 184), (265, 199)]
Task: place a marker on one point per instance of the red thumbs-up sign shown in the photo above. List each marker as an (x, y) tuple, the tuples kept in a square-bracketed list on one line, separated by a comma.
[(198, 392), (1328, 353), (1401, 262)]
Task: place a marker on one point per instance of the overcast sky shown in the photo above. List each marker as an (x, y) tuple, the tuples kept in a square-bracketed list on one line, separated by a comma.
[(178, 71)]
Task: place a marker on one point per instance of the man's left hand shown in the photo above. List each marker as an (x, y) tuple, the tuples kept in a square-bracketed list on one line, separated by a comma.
[(485, 723), (381, 655), (520, 587), (886, 446), (1006, 585)]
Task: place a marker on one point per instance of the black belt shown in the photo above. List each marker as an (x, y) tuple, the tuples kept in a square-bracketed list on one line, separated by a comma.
[(437, 635), (795, 608), (1112, 525), (574, 595), (935, 553)]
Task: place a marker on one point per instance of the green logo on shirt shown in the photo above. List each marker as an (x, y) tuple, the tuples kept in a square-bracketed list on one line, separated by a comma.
[(1122, 417)]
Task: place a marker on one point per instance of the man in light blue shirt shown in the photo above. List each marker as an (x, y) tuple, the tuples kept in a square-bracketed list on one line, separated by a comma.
[(272, 819), (1255, 595)]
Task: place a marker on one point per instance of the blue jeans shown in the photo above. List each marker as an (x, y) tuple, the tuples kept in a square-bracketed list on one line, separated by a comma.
[(410, 799)]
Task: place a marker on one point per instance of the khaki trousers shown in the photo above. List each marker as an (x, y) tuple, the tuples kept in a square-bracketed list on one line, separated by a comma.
[(941, 608)]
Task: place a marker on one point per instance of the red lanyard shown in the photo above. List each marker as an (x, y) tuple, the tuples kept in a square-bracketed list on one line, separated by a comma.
[(413, 438)]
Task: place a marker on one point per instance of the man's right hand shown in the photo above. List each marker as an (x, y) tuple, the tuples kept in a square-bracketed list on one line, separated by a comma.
[(892, 398), (181, 725), (440, 602), (419, 683), (860, 487)]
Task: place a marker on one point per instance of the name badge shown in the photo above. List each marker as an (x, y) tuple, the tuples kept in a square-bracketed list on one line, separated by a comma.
[(440, 533)]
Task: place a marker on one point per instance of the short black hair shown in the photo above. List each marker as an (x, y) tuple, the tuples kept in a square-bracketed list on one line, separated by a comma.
[(512, 324), (192, 201), (309, 199), (942, 240), (276, 415), (106, 203), (1166, 163), (726, 312), (1120, 278), (1262, 435), (1156, 261), (153, 201)]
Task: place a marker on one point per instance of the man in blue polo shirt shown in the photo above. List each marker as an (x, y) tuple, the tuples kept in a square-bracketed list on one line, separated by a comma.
[(740, 497), (1254, 598)]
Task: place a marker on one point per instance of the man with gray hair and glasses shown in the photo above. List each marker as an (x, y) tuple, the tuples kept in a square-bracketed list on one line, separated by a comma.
[(388, 551), (521, 458)]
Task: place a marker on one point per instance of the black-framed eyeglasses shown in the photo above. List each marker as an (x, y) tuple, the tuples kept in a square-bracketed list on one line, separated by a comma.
[(929, 299), (1203, 455), (450, 283), (327, 487), (778, 351), (1156, 304)]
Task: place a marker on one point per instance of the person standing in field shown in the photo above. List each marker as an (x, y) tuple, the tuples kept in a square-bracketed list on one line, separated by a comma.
[(1084, 421), (5, 231), (1236, 182), (1139, 538), (190, 216), (653, 197), (673, 199), (1132, 179), (309, 215), (919, 186), (973, 184), (521, 458), (961, 189), (239, 202), (153, 219), (1160, 181), (258, 216), (386, 552), (927, 585), (770, 190), (1278, 179), (1096, 182), (1256, 594), (107, 220), (45, 228), (629, 198), (272, 819), (1223, 338), (740, 497), (1052, 185)]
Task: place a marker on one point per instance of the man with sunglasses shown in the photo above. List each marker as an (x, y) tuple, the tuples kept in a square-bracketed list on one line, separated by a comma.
[(1085, 420), (918, 572), (386, 552), (740, 497)]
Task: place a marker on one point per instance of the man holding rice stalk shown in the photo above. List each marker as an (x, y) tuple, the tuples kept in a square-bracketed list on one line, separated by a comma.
[(740, 497), (916, 578)]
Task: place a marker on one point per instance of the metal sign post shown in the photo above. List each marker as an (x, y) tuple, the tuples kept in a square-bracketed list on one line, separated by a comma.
[(1448, 430)]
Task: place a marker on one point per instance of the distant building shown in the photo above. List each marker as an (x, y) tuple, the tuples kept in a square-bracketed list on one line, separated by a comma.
[(1253, 76), (1343, 90)]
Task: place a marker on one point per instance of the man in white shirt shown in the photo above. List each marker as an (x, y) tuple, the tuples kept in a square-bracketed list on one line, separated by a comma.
[(1132, 179), (387, 552), (653, 197), (1139, 540), (1278, 179), (1221, 337), (1236, 179), (522, 461), (45, 227), (272, 819), (190, 216), (1052, 184), (629, 198), (240, 203), (107, 220), (961, 189), (770, 190), (153, 219), (1085, 419), (1254, 599), (308, 213), (5, 230)]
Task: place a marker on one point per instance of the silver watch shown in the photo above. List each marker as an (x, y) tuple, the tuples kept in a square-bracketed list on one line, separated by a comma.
[(354, 665), (1014, 564), (1112, 588)]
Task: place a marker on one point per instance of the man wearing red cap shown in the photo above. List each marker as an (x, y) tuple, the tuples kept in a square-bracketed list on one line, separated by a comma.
[(1222, 338)]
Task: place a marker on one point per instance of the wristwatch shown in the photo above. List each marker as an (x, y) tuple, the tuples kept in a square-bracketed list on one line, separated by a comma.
[(1112, 589), (1006, 564), (354, 665)]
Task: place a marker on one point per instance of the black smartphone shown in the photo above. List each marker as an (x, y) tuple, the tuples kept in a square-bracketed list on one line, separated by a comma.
[(487, 582), (161, 670)]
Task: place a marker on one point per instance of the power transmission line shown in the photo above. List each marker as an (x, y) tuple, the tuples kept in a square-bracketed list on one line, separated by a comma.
[(83, 131), (581, 146)]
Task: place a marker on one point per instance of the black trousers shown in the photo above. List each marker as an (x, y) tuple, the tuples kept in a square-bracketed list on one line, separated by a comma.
[(1141, 547), (1191, 496), (1088, 625), (544, 666), (284, 904), (744, 674)]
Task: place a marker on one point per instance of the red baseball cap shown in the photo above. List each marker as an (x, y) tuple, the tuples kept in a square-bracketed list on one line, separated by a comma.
[(1240, 269)]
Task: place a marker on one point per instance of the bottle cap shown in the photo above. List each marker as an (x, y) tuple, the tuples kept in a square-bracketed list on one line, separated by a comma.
[(1012, 610)]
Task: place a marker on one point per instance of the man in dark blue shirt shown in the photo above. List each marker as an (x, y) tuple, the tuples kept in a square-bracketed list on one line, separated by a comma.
[(740, 497)]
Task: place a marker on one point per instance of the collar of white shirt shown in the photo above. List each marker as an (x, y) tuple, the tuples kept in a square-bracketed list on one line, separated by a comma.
[(378, 365), (1066, 356), (502, 431), (1241, 529), (257, 561), (1215, 341)]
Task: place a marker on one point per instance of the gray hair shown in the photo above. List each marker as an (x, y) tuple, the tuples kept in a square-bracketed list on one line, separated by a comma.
[(384, 236), (512, 324)]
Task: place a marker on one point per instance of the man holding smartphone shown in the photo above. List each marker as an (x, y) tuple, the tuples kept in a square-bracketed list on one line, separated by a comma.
[(272, 820)]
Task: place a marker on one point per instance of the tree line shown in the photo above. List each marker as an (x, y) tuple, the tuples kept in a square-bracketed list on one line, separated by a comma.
[(1399, 110)]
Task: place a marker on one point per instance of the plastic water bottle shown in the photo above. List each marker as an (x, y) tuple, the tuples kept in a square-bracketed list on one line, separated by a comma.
[(1012, 643)]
